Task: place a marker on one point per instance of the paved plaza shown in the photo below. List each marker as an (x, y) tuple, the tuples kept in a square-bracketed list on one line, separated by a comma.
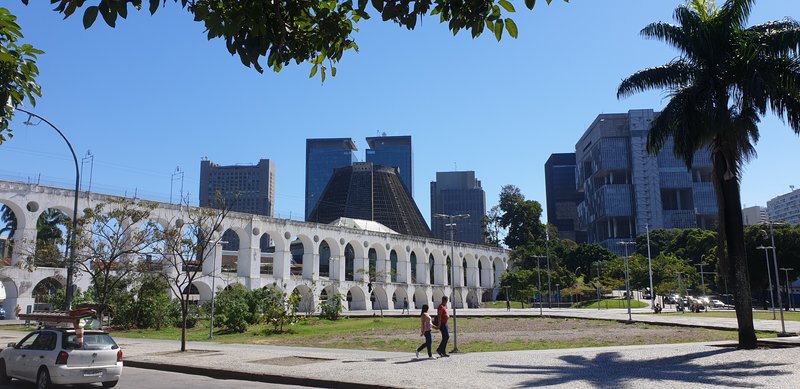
[(695, 365)]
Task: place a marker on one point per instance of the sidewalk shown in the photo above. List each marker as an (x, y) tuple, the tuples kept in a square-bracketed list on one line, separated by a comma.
[(696, 365)]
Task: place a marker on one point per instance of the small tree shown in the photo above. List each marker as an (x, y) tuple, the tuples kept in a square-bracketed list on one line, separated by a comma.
[(185, 245), (280, 310), (112, 238), (332, 307)]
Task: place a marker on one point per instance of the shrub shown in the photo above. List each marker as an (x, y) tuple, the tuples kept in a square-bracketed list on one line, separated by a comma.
[(331, 309), (231, 308)]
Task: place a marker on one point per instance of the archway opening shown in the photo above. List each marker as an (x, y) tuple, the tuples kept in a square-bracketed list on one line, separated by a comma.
[(298, 252), (306, 303), (349, 263), (51, 234), (393, 265), (373, 264), (400, 298), (449, 272), (229, 244), (413, 268), (45, 292), (356, 300), (8, 229), (464, 271), (432, 269), (324, 259), (267, 254)]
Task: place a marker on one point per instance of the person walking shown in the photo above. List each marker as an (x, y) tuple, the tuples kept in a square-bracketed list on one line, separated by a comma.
[(405, 307), (425, 327), (442, 316)]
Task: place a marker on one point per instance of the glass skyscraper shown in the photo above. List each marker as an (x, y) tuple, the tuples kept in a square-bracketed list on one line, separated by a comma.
[(563, 196), (393, 151), (627, 190), (456, 193), (322, 157)]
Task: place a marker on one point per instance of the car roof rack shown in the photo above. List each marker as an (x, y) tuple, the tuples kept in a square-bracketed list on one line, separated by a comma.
[(59, 319)]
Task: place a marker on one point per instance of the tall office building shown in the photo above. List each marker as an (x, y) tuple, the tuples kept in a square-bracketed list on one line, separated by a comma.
[(393, 151), (370, 192), (785, 208), (457, 193), (323, 156), (244, 188), (754, 215), (563, 196), (626, 189)]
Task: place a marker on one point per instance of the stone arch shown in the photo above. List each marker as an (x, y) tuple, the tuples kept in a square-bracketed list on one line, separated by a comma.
[(306, 304), (436, 297), (485, 272), (360, 269), (499, 269), (472, 299), (45, 288), (349, 263), (231, 242), (330, 252), (421, 297), (266, 254), (393, 266), (12, 297), (328, 292), (202, 289), (378, 298), (431, 267), (413, 262), (449, 271), (52, 227), (378, 256), (12, 227), (398, 296), (302, 249), (356, 300), (464, 272)]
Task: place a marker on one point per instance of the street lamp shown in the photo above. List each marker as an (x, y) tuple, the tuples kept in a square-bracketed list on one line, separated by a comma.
[(213, 286), (788, 287), (69, 252), (539, 275), (452, 225), (627, 278), (547, 255), (597, 287), (650, 269), (769, 277), (777, 278), (680, 295), (702, 278)]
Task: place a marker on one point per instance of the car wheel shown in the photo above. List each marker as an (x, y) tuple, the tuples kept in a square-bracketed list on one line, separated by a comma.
[(4, 378), (43, 379), (110, 384)]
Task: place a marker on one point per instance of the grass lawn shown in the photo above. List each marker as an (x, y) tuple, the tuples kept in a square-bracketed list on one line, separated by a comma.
[(502, 305), (759, 314), (474, 334), (609, 303)]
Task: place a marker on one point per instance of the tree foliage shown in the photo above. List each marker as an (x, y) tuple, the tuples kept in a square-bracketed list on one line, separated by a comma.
[(18, 71), (726, 77), (521, 217)]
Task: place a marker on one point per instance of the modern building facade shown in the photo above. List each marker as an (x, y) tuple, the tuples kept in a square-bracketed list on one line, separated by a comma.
[(243, 188), (393, 151), (626, 190), (323, 156), (754, 215), (563, 196), (370, 192), (458, 193), (785, 208)]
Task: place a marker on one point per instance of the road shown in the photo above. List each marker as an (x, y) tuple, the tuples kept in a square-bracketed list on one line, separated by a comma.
[(148, 379)]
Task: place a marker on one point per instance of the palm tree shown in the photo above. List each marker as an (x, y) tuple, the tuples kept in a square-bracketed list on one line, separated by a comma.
[(8, 218), (727, 77)]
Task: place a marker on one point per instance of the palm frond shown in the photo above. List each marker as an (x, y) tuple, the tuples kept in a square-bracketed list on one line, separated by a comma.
[(670, 76), (777, 38), (735, 13)]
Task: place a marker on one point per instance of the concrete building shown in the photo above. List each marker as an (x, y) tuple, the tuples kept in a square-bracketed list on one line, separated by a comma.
[(754, 215), (370, 192), (627, 190), (243, 188), (456, 193), (785, 208), (323, 156), (393, 151), (563, 196)]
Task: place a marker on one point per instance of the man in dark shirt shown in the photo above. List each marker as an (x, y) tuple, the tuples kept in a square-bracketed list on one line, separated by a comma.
[(443, 316)]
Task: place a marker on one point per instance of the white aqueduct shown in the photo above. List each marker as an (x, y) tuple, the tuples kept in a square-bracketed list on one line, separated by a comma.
[(407, 267)]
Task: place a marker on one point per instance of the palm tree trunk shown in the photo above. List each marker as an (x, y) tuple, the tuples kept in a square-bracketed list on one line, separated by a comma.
[(732, 235)]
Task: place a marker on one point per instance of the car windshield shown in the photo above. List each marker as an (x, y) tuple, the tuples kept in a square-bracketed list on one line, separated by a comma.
[(91, 341)]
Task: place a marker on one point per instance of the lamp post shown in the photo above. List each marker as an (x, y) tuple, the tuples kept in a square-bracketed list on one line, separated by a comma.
[(650, 269), (547, 255), (788, 287), (213, 287), (777, 279), (702, 277), (558, 297), (69, 252), (627, 277), (680, 295), (769, 277), (452, 225), (539, 275), (598, 285)]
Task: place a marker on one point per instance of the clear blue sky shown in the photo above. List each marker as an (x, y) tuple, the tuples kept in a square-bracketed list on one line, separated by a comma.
[(154, 94)]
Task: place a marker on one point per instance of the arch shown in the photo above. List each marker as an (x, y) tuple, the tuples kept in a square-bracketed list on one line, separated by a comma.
[(302, 249), (12, 219), (12, 297), (378, 298), (45, 289), (398, 296), (324, 259), (436, 298), (306, 304), (432, 269), (378, 256), (472, 299), (230, 243), (486, 271), (499, 269), (328, 292), (413, 260), (356, 300), (421, 297), (51, 235), (393, 266), (349, 263), (266, 251), (449, 271), (201, 291), (464, 271), (360, 269), (330, 252)]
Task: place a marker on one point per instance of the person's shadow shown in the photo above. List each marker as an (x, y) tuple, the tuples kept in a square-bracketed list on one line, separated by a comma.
[(609, 370)]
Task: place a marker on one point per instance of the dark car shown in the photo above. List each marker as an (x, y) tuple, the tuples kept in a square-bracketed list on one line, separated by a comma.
[(2, 313)]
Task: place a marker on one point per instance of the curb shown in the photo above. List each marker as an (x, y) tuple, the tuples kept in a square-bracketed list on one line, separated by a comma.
[(256, 377)]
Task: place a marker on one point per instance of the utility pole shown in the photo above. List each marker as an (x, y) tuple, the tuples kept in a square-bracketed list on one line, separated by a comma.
[(650, 269), (788, 286), (627, 278), (547, 255), (539, 275), (452, 226)]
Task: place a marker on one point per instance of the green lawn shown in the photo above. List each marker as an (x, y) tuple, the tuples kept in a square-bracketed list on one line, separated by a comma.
[(758, 314), (609, 303), (502, 304)]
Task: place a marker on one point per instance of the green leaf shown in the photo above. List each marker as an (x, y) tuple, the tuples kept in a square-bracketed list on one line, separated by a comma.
[(154, 6), (498, 29), (508, 6), (313, 71), (530, 3), (89, 16), (511, 27), (108, 15), (333, 71), (490, 25)]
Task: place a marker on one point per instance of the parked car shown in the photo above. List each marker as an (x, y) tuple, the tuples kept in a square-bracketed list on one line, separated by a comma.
[(717, 304), (55, 356)]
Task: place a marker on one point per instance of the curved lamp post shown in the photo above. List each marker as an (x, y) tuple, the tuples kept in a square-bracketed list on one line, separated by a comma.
[(69, 252)]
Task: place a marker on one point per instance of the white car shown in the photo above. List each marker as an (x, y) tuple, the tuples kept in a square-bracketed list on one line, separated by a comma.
[(54, 357), (717, 304)]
